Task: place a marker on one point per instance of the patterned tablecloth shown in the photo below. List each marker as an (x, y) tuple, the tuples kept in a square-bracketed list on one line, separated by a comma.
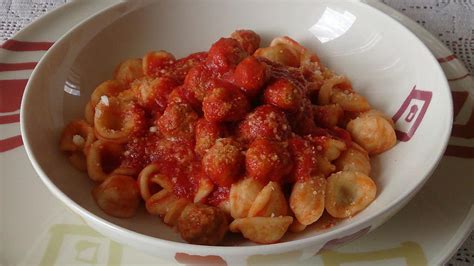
[(452, 21)]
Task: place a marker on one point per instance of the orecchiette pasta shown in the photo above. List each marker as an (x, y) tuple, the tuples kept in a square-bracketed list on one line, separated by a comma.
[(256, 140), (78, 160), (115, 121), (348, 192), (307, 199), (89, 113), (296, 226), (264, 230), (150, 176), (102, 159), (205, 187), (161, 203), (242, 195), (326, 90), (350, 100), (128, 71), (118, 196), (107, 88), (355, 158), (77, 137), (373, 131), (270, 202)]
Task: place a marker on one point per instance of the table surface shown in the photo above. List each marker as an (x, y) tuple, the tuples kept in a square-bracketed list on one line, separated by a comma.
[(452, 21)]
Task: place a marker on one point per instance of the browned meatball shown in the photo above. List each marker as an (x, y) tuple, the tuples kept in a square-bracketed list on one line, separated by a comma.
[(223, 162), (203, 225)]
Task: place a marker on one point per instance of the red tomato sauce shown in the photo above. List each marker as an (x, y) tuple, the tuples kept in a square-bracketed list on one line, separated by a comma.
[(238, 75)]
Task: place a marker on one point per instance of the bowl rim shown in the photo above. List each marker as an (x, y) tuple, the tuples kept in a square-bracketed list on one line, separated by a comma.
[(94, 221)]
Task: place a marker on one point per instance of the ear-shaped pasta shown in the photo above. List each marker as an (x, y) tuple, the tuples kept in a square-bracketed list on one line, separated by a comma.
[(159, 203), (166, 205), (102, 159), (296, 226), (347, 193), (205, 188), (270, 202), (151, 175), (307, 199), (116, 121), (333, 148), (128, 71), (373, 113), (329, 147), (280, 54), (117, 196), (89, 113), (242, 195), (326, 90), (129, 95), (373, 131), (248, 39), (324, 167), (174, 211), (125, 170), (109, 88), (77, 136), (263, 230), (350, 101), (306, 58), (78, 160), (355, 158)]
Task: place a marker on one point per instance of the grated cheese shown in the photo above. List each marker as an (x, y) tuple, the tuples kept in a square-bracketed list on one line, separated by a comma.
[(78, 140), (105, 100)]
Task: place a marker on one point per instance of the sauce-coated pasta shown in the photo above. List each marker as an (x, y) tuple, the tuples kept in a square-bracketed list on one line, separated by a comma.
[(241, 138)]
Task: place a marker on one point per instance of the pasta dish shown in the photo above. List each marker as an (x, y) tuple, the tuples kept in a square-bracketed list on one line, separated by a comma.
[(241, 138)]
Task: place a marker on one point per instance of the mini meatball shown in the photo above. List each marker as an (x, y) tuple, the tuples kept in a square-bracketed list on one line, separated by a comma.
[(283, 94), (182, 94), (118, 196), (203, 225), (268, 161), (223, 162), (250, 75), (178, 121), (304, 156), (248, 39), (153, 93), (265, 122), (206, 135), (198, 81), (225, 103), (225, 54), (181, 67)]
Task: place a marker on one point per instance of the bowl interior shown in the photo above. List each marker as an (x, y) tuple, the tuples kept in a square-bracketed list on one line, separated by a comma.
[(383, 60)]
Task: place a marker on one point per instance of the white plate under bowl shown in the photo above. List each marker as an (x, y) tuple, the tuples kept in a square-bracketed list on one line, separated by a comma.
[(386, 63)]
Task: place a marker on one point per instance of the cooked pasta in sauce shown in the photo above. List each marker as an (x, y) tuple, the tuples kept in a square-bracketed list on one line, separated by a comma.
[(241, 138)]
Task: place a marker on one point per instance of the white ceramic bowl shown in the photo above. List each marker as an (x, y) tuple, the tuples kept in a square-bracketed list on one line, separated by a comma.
[(385, 62)]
